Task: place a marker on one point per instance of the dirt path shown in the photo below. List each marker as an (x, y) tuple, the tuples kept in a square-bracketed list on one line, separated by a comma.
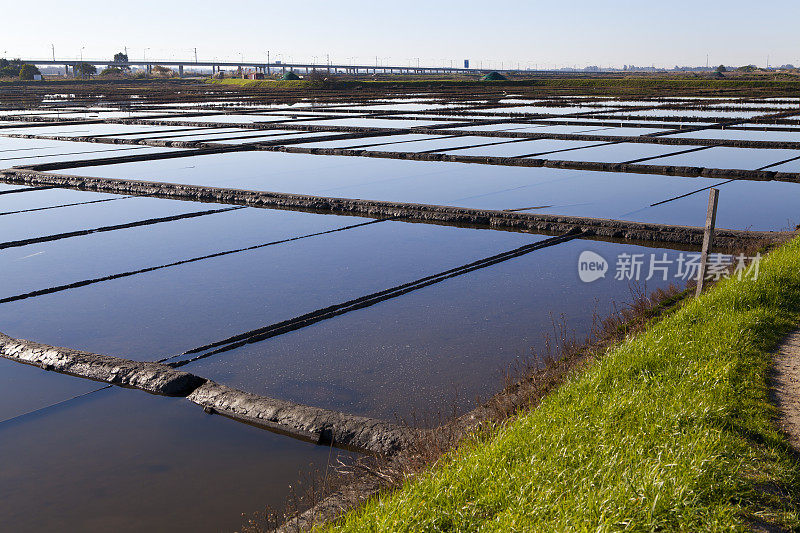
[(786, 386), (785, 394)]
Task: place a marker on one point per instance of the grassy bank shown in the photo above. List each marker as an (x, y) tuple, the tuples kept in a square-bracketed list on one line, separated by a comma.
[(653, 85), (669, 431)]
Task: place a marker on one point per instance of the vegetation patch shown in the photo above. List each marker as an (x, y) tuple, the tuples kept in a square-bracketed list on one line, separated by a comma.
[(671, 430), (28, 72), (15, 68), (629, 85)]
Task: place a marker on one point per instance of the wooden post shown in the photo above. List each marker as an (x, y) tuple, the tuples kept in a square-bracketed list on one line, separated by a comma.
[(708, 236)]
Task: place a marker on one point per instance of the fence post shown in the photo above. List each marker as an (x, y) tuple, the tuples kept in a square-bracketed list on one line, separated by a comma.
[(708, 236)]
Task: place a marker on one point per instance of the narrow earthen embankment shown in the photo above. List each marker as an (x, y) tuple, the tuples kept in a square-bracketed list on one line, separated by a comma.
[(150, 377), (312, 424), (319, 426)]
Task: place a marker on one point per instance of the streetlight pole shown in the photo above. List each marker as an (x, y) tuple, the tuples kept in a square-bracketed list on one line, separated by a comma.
[(81, 63)]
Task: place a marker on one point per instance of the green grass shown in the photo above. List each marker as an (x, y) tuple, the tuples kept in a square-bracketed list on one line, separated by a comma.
[(607, 85), (669, 431)]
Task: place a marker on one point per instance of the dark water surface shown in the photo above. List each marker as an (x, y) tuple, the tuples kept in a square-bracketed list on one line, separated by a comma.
[(124, 460), (81, 459), (555, 191)]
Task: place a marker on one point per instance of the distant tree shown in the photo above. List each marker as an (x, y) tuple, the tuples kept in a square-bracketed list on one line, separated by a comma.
[(721, 69), (85, 69), (121, 57), (28, 71), (10, 68), (787, 66), (747, 68), (321, 79), (111, 71), (160, 70)]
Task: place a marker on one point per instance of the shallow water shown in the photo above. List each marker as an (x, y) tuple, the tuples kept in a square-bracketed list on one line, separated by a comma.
[(748, 135), (226, 119), (711, 113), (86, 129), (142, 463), (372, 122), (556, 191), (618, 153), (368, 141), (433, 350), (224, 296), (724, 157), (79, 463), (542, 110), (134, 317), (792, 166)]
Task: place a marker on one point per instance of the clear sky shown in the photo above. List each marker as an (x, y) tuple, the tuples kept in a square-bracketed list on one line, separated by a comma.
[(529, 33)]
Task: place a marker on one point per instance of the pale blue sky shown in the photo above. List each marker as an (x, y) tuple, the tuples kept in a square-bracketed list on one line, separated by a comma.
[(542, 33)]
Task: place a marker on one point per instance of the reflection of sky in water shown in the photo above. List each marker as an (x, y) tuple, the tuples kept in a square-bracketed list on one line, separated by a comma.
[(424, 352)]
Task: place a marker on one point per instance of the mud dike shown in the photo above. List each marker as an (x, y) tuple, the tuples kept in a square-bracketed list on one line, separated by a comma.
[(312, 424)]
